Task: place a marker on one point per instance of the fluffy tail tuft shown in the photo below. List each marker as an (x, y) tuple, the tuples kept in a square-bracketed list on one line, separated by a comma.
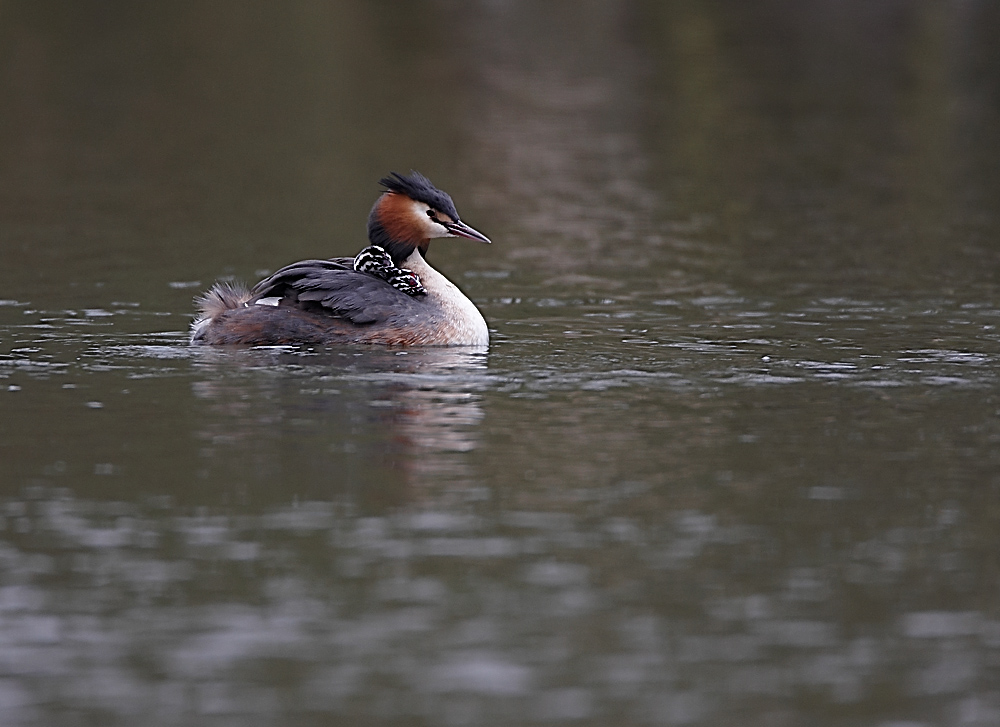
[(222, 297)]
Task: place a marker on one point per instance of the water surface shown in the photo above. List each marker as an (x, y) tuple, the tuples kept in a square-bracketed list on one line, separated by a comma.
[(731, 459)]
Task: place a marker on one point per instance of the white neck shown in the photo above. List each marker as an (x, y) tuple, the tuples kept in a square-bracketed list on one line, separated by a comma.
[(468, 324)]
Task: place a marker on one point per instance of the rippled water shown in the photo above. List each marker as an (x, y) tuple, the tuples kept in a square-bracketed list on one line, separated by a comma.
[(733, 457)]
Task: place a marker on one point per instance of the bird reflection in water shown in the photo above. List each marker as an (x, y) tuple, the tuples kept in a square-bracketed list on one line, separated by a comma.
[(281, 421)]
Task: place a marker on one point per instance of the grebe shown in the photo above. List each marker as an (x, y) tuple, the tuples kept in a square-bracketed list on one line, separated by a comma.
[(387, 294)]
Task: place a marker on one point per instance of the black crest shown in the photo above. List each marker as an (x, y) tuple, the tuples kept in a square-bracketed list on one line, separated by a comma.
[(417, 186)]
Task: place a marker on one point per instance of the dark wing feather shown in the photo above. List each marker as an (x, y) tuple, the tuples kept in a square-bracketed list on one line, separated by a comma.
[(333, 287)]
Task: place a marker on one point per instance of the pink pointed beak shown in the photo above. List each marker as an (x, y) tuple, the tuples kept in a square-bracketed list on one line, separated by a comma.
[(460, 229)]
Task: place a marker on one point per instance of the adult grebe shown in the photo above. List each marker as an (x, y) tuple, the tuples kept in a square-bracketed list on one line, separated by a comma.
[(387, 294)]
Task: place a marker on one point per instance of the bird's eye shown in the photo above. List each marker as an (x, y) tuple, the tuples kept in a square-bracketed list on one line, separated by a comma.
[(432, 215)]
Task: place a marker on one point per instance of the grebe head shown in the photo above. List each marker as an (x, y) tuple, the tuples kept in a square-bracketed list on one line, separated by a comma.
[(410, 213)]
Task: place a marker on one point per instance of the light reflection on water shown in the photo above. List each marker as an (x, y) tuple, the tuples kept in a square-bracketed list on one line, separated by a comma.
[(862, 343), (531, 615), (608, 524)]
